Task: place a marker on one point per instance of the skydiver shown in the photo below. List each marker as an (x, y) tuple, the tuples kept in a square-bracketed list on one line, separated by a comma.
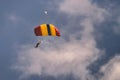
[(37, 44)]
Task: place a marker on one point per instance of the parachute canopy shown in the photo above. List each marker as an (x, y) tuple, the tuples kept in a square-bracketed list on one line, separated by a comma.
[(46, 30)]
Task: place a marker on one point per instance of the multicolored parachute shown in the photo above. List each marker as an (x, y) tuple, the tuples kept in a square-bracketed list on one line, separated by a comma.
[(46, 30)]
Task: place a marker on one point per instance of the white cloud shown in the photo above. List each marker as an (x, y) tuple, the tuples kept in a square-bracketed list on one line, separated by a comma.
[(72, 57), (111, 70), (69, 57), (82, 7)]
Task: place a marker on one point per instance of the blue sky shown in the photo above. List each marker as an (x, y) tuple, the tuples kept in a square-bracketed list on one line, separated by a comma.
[(87, 50)]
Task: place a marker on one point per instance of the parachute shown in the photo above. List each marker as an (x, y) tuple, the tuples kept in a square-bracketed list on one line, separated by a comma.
[(46, 30)]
